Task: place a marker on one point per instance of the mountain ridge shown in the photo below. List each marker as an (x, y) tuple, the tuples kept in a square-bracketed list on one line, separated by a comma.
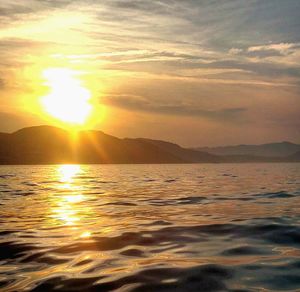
[(277, 149), (51, 145)]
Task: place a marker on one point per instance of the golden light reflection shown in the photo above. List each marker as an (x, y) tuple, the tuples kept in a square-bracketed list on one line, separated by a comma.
[(68, 100), (67, 172), (74, 198), (69, 206), (66, 214), (86, 234)]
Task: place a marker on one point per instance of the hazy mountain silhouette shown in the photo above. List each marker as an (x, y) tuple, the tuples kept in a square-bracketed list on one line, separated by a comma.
[(294, 157), (281, 149), (187, 155), (51, 145)]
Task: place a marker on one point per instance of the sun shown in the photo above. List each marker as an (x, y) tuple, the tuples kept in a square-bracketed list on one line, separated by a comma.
[(68, 101)]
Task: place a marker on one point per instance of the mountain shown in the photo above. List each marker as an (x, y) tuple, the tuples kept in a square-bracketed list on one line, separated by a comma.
[(187, 155), (294, 157), (51, 145), (281, 149)]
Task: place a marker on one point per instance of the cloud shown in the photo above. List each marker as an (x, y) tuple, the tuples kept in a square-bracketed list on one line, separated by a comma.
[(2, 83), (137, 103), (18, 43), (281, 49), (143, 6), (226, 70), (235, 51), (15, 8)]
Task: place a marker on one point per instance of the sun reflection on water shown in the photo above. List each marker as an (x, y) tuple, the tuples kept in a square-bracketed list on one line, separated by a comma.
[(69, 208), (67, 172), (74, 198), (85, 234)]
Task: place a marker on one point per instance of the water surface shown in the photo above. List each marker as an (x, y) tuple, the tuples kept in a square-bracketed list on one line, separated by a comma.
[(201, 227)]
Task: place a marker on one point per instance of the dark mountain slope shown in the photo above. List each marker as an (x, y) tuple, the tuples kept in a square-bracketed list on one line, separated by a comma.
[(45, 144), (34, 145), (294, 157), (188, 155)]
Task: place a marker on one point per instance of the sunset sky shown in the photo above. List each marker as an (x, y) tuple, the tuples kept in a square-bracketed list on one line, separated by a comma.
[(192, 72)]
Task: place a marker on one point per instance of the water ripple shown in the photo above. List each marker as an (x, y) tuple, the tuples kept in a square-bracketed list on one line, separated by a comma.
[(150, 228)]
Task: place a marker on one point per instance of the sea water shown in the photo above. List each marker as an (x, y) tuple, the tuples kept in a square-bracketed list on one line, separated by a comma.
[(188, 227)]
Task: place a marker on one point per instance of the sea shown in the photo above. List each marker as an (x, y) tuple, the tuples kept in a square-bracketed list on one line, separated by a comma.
[(170, 227)]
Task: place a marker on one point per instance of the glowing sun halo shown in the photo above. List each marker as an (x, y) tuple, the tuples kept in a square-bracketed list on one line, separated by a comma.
[(68, 100)]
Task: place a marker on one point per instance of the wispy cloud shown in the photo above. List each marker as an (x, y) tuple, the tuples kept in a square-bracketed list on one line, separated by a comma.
[(282, 48), (138, 103)]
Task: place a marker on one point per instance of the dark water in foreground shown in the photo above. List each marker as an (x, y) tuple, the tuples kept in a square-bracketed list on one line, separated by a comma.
[(150, 227)]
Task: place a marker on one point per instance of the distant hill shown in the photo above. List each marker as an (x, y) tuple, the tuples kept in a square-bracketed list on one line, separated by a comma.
[(294, 157), (51, 145), (281, 149), (187, 155)]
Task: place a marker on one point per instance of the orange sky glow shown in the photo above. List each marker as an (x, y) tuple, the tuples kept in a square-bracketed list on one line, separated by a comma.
[(191, 72)]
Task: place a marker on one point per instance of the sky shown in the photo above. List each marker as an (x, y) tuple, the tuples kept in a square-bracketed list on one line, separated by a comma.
[(193, 72)]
